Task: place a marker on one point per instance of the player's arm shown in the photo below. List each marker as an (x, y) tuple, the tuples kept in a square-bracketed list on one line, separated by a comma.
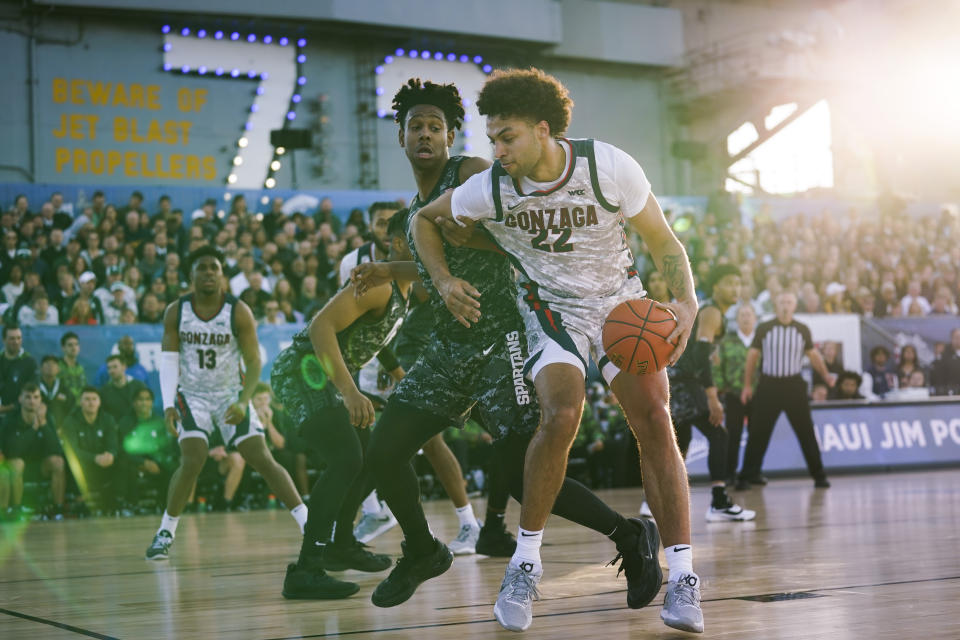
[(342, 311), (749, 369), (671, 260), (462, 231), (459, 295), (711, 323), (373, 274), (169, 367), (816, 361), (250, 352)]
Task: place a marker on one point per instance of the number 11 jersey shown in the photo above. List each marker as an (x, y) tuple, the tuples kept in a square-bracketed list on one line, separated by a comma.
[(209, 351)]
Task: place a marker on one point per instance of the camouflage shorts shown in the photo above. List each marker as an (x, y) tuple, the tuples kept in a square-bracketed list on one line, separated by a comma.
[(688, 400), (450, 379), (301, 385)]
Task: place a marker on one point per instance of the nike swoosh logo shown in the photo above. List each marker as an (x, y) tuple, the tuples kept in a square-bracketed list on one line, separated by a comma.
[(678, 549), (320, 544), (530, 535), (487, 351), (518, 204)]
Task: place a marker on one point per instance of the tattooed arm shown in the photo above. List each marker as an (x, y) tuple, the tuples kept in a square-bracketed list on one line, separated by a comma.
[(672, 262)]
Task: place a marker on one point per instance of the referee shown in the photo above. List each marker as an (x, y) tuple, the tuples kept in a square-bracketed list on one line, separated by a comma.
[(783, 342)]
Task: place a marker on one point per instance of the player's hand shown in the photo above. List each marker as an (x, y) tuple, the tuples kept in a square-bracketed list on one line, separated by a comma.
[(151, 467), (235, 413), (368, 275), (746, 395), (360, 408), (461, 299), (716, 411), (218, 453), (831, 380), (456, 234), (686, 313), (171, 417)]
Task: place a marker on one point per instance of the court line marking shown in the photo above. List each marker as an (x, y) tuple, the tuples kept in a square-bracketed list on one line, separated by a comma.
[(59, 625), (599, 610)]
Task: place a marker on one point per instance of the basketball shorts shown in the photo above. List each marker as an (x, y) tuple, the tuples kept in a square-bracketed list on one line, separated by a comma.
[(569, 330), (200, 416), (302, 386), (450, 379)]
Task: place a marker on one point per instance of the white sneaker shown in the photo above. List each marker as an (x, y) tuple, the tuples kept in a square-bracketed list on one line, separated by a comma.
[(730, 513), (514, 607), (372, 525), (681, 605), (465, 543), (645, 510)]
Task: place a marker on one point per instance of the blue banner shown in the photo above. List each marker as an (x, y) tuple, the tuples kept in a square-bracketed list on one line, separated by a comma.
[(861, 435)]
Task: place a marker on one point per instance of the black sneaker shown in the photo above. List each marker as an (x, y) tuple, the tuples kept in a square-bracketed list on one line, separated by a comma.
[(312, 583), (640, 563), (353, 555), (821, 482), (409, 573), (159, 549), (496, 542)]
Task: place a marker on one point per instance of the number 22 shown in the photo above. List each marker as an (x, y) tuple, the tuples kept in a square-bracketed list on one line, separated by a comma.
[(560, 245)]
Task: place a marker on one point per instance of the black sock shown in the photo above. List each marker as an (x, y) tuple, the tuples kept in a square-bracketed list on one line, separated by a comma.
[(720, 498), (494, 520), (623, 533)]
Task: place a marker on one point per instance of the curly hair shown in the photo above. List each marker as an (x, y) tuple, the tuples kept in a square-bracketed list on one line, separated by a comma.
[(527, 93), (205, 250), (445, 97)]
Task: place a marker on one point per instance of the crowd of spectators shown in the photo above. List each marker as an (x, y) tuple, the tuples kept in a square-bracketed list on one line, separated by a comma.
[(103, 264)]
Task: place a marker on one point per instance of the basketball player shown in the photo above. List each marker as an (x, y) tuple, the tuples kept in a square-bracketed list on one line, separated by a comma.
[(694, 400), (478, 368), (558, 207), (341, 338), (205, 335)]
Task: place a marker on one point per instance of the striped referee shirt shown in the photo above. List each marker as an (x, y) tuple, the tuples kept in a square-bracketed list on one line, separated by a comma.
[(782, 347)]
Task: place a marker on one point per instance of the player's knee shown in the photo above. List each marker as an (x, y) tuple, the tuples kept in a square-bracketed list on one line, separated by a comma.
[(16, 466), (236, 461), (192, 463), (561, 422)]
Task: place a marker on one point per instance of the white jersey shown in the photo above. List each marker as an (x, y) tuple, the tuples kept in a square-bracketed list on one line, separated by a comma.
[(566, 236), (209, 351)]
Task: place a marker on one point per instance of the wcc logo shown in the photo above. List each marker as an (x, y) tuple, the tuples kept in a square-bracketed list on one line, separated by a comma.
[(576, 192)]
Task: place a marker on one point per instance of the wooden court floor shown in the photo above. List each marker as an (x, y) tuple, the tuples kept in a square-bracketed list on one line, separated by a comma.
[(875, 557)]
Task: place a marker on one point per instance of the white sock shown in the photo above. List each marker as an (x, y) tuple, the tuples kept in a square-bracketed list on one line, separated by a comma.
[(169, 523), (371, 504), (528, 549), (679, 561), (467, 519), (299, 514)]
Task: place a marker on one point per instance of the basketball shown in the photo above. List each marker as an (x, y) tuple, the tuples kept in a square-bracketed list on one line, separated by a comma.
[(635, 336)]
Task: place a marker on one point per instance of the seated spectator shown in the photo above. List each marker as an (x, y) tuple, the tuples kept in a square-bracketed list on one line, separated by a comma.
[(255, 295), (945, 375), (17, 368), (836, 299), (94, 310), (887, 304), (126, 349), (53, 391), (90, 441), (72, 373), (147, 449), (912, 298), (943, 303), (865, 302), (40, 312), (15, 285), (66, 289), (908, 364), (119, 391), (882, 376), (848, 386), (820, 392), (30, 438), (81, 313), (113, 311), (809, 299), (657, 287), (832, 357), (151, 309)]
